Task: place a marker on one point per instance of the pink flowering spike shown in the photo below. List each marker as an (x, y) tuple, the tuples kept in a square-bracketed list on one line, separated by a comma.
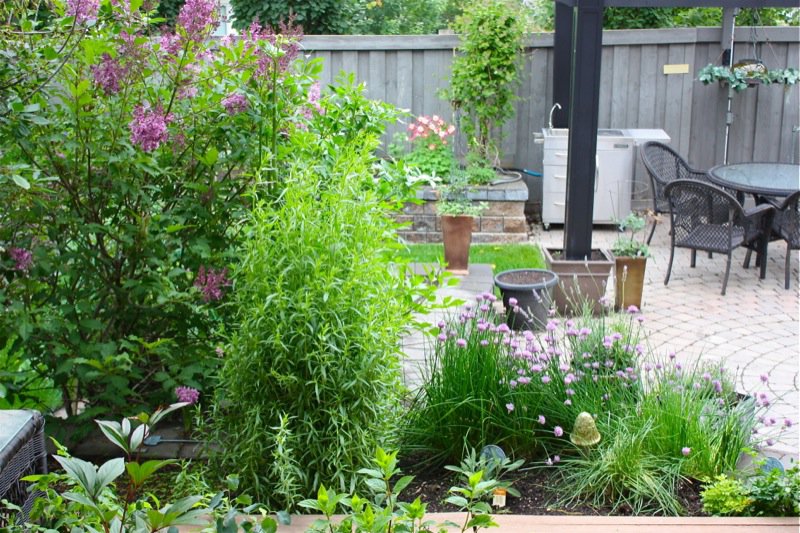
[(82, 10), (187, 395), (686, 451), (198, 18), (149, 128), (235, 103), (210, 282), (23, 259)]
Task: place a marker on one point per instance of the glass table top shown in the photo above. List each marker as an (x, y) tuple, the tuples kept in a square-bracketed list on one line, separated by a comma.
[(778, 179)]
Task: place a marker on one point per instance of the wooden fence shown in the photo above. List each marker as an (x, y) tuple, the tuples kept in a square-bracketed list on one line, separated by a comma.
[(410, 71)]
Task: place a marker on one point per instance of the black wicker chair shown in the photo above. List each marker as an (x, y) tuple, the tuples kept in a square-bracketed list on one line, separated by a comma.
[(695, 213), (786, 225), (664, 166)]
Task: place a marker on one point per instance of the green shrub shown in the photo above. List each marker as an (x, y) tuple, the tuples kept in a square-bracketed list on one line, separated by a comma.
[(123, 167), (726, 496), (319, 311)]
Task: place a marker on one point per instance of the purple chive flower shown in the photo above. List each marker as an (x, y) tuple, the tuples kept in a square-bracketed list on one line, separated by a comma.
[(524, 380), (82, 10), (787, 422), (461, 343), (545, 379), (717, 386), (541, 420), (770, 442), (442, 337), (640, 319), (633, 309), (234, 103), (484, 342), (210, 282), (556, 458), (570, 392), (551, 325), (706, 376), (108, 74), (23, 259), (764, 378), (149, 128), (512, 383), (686, 451), (549, 462), (503, 328), (198, 17), (510, 407), (567, 402), (187, 394), (512, 302), (557, 431)]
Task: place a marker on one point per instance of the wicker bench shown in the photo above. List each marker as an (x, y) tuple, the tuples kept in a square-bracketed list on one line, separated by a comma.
[(22, 453)]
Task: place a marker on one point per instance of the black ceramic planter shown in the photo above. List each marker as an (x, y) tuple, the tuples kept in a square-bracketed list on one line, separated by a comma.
[(533, 289)]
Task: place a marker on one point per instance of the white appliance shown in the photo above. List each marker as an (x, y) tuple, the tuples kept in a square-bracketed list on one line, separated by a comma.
[(613, 177)]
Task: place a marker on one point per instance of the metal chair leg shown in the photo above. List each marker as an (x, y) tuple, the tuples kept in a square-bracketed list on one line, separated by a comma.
[(788, 273), (746, 263), (669, 267), (727, 272), (761, 256), (694, 258), (652, 231)]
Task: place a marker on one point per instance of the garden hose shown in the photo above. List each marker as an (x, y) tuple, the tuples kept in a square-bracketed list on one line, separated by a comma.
[(516, 174)]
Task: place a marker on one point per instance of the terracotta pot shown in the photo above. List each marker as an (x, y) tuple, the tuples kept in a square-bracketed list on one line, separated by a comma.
[(457, 235), (629, 275), (581, 283)]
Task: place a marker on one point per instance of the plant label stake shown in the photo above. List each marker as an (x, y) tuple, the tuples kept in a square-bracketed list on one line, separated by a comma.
[(499, 498)]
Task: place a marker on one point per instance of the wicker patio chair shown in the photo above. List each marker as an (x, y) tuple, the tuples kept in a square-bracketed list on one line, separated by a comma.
[(695, 213), (786, 225), (664, 166)]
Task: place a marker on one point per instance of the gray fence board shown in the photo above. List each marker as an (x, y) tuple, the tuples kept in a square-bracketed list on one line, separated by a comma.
[(410, 71)]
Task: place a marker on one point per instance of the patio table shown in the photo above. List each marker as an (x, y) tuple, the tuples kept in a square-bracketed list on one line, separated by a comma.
[(758, 179)]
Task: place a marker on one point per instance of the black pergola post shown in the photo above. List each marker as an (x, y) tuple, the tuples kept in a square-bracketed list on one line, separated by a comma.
[(584, 107), (562, 63)]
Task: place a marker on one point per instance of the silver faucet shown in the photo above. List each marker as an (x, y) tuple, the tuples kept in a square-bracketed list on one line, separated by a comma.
[(552, 109)]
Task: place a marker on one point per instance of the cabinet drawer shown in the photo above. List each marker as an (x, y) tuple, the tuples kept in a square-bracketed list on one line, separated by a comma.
[(555, 157), (554, 178), (553, 211)]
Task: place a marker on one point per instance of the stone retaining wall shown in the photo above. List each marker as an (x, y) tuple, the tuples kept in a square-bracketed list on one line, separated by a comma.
[(503, 221)]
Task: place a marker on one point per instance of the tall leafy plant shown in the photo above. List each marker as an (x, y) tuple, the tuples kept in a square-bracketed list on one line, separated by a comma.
[(123, 164), (320, 309), (486, 71)]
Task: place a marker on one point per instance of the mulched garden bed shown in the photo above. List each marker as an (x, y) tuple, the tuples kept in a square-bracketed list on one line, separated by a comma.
[(539, 493)]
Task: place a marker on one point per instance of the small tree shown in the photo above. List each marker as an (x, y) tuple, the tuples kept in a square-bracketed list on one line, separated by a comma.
[(318, 17), (487, 70)]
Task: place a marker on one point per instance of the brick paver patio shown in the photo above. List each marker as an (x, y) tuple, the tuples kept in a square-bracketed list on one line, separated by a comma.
[(753, 329)]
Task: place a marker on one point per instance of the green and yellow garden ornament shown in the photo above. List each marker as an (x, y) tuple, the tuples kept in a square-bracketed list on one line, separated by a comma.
[(585, 433)]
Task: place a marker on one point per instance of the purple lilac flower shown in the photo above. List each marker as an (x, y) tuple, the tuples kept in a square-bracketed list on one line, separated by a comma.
[(187, 394), (541, 419), (82, 10), (149, 128), (557, 431), (510, 407), (198, 17), (108, 74), (686, 451), (210, 282), (170, 43), (23, 259)]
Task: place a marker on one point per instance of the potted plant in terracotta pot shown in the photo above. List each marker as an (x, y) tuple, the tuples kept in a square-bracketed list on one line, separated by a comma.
[(630, 260), (457, 212)]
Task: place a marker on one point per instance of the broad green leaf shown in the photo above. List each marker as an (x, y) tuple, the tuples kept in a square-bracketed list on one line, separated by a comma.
[(21, 182)]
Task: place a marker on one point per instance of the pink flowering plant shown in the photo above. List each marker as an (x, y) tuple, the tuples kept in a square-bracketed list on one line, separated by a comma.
[(431, 146), (659, 418), (127, 154)]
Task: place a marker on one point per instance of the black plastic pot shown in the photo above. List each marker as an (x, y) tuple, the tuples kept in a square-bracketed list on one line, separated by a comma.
[(533, 290)]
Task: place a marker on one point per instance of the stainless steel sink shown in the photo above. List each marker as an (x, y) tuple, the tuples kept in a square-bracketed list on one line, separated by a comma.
[(556, 132)]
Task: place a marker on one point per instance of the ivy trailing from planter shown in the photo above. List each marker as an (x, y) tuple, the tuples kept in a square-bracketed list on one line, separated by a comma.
[(740, 79)]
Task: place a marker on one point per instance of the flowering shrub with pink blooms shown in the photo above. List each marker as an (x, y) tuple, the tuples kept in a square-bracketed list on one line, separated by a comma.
[(431, 152), (130, 154), (660, 419)]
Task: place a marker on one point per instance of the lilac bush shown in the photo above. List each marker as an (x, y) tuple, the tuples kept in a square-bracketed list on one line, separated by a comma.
[(125, 168)]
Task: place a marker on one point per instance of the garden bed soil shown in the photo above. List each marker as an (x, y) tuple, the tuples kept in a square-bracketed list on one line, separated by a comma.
[(539, 493)]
